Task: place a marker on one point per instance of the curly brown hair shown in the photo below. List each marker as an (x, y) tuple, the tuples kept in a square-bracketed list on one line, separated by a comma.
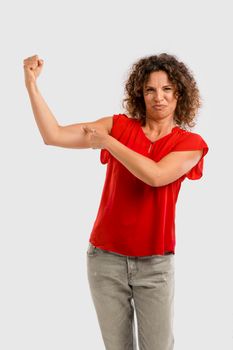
[(189, 100)]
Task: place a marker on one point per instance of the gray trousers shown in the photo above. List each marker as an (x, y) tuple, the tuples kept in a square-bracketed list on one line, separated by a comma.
[(121, 286)]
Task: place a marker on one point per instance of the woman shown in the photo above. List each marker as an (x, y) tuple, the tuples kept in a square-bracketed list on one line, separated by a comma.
[(149, 152)]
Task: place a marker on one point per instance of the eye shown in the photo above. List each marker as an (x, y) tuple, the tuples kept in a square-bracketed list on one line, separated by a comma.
[(149, 89)]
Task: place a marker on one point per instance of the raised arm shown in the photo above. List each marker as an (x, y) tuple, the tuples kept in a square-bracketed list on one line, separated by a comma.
[(69, 136), (72, 136)]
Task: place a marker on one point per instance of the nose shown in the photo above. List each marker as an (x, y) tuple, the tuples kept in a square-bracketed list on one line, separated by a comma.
[(158, 96)]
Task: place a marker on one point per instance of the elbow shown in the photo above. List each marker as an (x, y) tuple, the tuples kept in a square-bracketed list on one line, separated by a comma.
[(155, 184), (49, 141), (157, 177), (158, 182), (46, 142)]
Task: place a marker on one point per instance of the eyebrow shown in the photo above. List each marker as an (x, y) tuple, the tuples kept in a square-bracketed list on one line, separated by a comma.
[(153, 87)]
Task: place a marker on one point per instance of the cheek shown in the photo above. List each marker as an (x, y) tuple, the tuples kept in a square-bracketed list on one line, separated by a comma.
[(147, 99), (172, 100)]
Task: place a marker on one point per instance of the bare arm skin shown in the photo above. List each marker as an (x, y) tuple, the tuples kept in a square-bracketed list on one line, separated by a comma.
[(167, 170), (70, 136), (161, 173)]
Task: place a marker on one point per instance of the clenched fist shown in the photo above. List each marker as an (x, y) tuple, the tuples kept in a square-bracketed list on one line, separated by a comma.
[(32, 68)]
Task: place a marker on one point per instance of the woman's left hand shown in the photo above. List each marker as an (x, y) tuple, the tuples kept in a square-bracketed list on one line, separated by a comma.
[(96, 135)]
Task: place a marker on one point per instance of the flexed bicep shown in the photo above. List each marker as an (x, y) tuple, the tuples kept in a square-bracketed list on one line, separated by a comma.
[(76, 136)]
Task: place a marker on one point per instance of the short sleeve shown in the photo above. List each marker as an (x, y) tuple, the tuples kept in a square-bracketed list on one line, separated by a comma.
[(118, 126), (190, 141)]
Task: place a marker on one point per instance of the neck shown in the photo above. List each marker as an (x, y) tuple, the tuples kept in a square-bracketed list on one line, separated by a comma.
[(159, 126)]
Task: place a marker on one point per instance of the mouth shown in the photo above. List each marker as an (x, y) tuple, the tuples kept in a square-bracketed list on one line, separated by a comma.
[(158, 106)]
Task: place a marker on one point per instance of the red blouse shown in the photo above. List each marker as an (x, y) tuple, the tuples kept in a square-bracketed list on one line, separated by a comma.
[(134, 218)]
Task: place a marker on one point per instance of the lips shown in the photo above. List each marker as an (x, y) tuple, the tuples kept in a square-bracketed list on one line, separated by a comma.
[(158, 106)]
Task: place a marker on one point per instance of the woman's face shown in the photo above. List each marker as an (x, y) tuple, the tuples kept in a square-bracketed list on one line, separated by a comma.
[(159, 90)]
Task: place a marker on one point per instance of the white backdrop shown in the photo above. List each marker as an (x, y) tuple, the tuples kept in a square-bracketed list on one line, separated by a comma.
[(50, 195)]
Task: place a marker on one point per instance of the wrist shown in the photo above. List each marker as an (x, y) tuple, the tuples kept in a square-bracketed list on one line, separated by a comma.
[(31, 86)]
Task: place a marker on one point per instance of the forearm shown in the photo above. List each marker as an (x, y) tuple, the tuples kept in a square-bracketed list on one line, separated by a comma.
[(45, 120), (140, 166)]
